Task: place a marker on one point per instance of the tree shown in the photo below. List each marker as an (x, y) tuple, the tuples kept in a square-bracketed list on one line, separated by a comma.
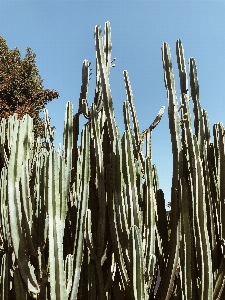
[(21, 89)]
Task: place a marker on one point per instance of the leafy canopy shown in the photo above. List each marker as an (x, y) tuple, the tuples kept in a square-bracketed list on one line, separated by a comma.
[(21, 89)]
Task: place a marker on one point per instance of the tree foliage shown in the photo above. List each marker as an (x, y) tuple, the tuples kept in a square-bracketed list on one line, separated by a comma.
[(21, 89)]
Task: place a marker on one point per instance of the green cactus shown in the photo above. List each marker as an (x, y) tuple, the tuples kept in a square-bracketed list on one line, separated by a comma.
[(91, 223)]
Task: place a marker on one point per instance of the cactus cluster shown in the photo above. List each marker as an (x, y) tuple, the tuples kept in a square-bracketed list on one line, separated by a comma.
[(91, 223)]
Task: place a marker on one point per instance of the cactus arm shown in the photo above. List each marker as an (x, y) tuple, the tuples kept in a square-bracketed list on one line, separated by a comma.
[(172, 106), (114, 232), (107, 46), (98, 90), (193, 153), (15, 209), (4, 222), (206, 127), (166, 285), (74, 148), (84, 89), (155, 122), (137, 138), (158, 118), (68, 140), (6, 262), (209, 199), (186, 255), (219, 206), (56, 224), (92, 249), (106, 92), (198, 112), (126, 107), (100, 244), (133, 111), (107, 50), (113, 136), (149, 224), (195, 96), (69, 272), (182, 68), (2, 142), (161, 224), (82, 199), (88, 234), (137, 263), (160, 215), (219, 142), (121, 196), (126, 115), (148, 132), (49, 134), (207, 282), (130, 179)]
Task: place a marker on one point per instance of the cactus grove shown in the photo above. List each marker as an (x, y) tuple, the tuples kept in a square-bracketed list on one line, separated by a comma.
[(91, 223)]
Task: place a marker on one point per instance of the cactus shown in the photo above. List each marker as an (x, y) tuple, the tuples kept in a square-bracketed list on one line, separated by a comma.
[(91, 223)]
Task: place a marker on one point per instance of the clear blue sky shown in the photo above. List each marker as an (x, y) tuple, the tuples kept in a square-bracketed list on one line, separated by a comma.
[(61, 33)]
